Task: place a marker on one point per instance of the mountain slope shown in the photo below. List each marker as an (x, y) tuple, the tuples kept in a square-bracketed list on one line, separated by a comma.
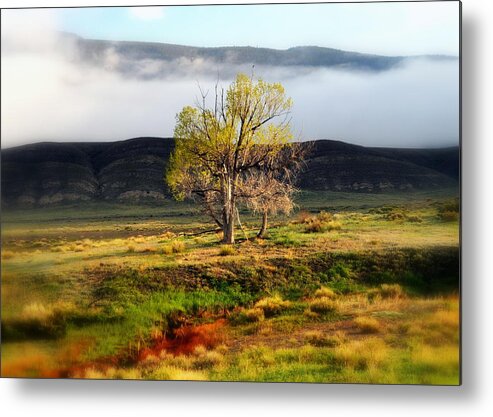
[(150, 60), (133, 170)]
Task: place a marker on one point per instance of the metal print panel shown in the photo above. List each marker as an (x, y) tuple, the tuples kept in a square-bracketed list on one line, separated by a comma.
[(263, 193)]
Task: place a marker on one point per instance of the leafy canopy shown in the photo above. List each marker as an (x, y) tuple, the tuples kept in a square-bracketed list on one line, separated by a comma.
[(237, 134)]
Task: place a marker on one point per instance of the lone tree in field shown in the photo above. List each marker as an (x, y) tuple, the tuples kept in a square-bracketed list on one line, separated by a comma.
[(268, 190), (222, 153)]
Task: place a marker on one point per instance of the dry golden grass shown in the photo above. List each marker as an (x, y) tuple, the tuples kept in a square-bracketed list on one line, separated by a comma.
[(226, 250), (320, 339), (392, 291), (323, 305), (362, 354), (367, 324), (442, 357), (206, 359), (272, 306), (176, 246), (254, 314), (42, 312), (325, 292)]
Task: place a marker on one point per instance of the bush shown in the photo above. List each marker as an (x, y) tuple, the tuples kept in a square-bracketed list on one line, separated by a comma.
[(38, 321), (303, 217), (325, 292), (7, 254), (317, 338), (205, 359), (339, 270), (391, 291), (226, 250), (314, 226), (402, 215), (176, 246), (323, 305), (448, 216), (449, 211), (325, 217), (272, 306), (323, 222), (367, 324), (255, 314)]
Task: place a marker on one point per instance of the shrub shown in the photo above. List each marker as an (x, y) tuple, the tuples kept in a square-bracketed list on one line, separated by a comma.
[(325, 292), (339, 270), (149, 249), (448, 216), (167, 249), (325, 217), (323, 222), (38, 321), (176, 246), (449, 211), (362, 354), (391, 291), (272, 306), (205, 359), (303, 217), (313, 226), (255, 314), (323, 305), (332, 225), (226, 250), (367, 324), (402, 215), (317, 338), (7, 254)]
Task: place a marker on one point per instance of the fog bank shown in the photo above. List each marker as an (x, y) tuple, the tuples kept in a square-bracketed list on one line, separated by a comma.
[(51, 92)]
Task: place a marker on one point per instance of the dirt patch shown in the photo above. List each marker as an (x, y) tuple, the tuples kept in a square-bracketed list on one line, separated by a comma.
[(186, 339)]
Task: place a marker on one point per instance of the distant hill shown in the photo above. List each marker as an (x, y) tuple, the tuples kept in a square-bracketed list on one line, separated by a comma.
[(133, 170), (156, 60)]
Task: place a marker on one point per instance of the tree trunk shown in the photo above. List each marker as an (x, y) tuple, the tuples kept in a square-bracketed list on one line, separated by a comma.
[(229, 231), (229, 214), (263, 229)]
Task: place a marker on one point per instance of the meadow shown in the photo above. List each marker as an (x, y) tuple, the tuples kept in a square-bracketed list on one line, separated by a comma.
[(351, 288)]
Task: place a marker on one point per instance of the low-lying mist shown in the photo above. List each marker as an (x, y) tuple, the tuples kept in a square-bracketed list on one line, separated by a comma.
[(50, 93)]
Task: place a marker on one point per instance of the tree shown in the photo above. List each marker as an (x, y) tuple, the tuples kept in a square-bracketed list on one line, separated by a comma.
[(269, 189), (221, 151)]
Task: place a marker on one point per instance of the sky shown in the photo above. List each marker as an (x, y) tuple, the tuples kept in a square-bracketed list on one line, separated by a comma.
[(380, 28), (49, 96)]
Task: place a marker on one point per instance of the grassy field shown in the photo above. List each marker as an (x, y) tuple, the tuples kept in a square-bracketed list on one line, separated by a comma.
[(351, 288)]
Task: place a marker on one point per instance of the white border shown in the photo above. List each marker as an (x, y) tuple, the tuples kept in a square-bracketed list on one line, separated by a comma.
[(119, 398)]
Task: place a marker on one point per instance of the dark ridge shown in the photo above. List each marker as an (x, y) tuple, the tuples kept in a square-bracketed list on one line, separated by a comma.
[(133, 170), (166, 58)]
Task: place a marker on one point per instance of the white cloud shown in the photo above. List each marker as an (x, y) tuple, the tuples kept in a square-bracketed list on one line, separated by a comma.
[(147, 13), (53, 93)]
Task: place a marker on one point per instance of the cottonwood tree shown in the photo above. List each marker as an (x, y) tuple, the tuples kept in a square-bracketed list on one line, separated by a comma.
[(220, 150), (269, 188)]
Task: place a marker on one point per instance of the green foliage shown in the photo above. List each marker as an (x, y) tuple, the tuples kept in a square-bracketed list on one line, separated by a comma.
[(215, 147), (287, 239)]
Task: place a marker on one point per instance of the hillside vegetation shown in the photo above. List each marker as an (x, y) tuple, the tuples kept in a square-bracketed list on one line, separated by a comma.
[(351, 288)]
